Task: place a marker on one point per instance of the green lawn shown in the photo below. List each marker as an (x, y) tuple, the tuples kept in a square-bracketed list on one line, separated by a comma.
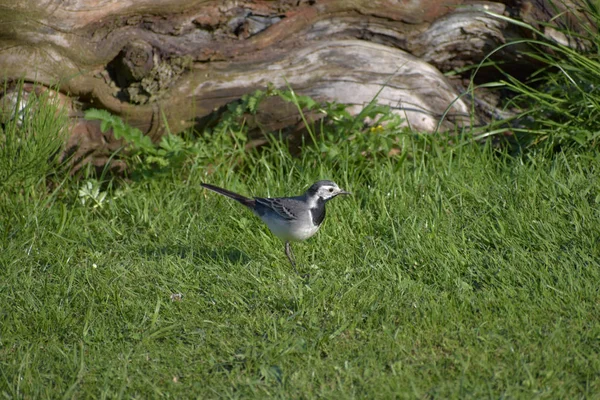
[(462, 274)]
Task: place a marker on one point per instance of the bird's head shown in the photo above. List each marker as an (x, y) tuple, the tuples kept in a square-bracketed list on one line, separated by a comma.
[(325, 190)]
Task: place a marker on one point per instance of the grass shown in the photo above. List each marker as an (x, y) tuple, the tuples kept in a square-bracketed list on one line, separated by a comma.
[(451, 273), (559, 103)]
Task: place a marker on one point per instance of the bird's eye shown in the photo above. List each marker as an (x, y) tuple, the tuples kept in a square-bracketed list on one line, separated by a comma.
[(330, 190)]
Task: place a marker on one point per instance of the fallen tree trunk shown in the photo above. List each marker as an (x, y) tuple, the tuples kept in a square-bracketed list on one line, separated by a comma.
[(179, 61)]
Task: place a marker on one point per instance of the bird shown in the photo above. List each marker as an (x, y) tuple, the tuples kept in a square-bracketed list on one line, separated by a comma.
[(290, 218)]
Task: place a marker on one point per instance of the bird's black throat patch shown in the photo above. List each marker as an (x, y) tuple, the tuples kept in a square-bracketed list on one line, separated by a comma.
[(318, 212)]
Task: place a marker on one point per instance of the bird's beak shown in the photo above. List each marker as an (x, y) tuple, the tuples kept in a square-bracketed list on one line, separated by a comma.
[(344, 192)]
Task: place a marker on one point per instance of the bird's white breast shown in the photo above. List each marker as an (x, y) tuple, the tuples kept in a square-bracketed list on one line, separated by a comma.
[(300, 229)]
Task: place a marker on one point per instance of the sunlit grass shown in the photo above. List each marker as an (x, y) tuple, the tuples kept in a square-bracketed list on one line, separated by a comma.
[(557, 105), (457, 274)]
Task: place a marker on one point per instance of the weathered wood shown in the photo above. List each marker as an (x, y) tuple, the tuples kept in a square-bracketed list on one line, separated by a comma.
[(186, 58)]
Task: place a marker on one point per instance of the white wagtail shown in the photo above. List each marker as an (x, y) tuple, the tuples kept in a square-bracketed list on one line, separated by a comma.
[(290, 218)]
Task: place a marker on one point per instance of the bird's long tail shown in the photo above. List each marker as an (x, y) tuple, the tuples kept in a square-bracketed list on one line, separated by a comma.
[(237, 197)]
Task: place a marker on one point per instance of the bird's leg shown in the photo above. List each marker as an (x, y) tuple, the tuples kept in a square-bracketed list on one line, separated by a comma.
[(290, 255)]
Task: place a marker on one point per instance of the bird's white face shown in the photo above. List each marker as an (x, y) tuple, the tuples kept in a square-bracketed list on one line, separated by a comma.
[(327, 190)]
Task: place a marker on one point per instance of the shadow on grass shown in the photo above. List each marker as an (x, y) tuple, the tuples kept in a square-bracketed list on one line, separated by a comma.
[(219, 255)]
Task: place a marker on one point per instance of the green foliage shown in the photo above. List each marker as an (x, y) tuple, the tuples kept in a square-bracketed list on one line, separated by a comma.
[(560, 104), (248, 103), (339, 133), (30, 141), (133, 137), (226, 142), (142, 156), (351, 137), (373, 132), (90, 193)]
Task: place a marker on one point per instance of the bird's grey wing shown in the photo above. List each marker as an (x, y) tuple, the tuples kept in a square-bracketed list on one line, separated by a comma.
[(284, 207)]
